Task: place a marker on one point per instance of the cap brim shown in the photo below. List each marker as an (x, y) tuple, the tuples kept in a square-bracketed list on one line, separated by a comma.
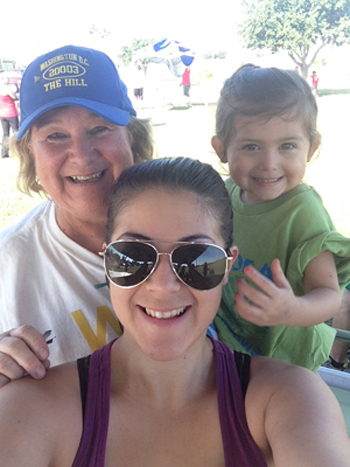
[(113, 114)]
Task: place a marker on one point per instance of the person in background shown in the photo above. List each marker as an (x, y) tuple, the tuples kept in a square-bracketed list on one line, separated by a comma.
[(315, 80), (293, 264), (165, 394), (78, 132), (8, 112), (139, 81), (186, 84)]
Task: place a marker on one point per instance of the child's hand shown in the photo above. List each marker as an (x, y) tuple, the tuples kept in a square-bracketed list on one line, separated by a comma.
[(273, 304)]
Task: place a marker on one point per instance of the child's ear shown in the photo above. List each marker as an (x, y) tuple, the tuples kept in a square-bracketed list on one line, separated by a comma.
[(219, 148), (314, 147)]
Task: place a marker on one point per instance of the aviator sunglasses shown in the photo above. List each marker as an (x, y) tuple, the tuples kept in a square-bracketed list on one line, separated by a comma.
[(201, 266)]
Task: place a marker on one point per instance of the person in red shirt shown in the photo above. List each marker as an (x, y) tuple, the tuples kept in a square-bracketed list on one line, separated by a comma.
[(315, 79), (186, 83)]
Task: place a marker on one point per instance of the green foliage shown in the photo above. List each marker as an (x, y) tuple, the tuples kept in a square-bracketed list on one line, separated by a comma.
[(319, 64), (302, 27), (214, 55), (127, 50)]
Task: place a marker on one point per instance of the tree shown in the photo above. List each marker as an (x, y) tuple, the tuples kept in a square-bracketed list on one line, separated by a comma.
[(301, 27), (127, 51)]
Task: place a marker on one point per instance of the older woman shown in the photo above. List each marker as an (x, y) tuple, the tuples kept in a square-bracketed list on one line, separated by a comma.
[(78, 132)]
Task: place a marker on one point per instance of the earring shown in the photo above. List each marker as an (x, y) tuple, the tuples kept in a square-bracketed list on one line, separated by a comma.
[(37, 181)]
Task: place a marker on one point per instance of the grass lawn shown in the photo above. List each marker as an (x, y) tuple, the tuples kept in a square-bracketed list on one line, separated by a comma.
[(187, 132)]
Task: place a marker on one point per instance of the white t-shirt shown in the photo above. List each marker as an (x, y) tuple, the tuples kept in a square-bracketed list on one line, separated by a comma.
[(47, 280)]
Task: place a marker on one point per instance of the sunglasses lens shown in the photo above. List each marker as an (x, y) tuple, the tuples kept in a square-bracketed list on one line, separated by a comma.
[(129, 263), (200, 266)]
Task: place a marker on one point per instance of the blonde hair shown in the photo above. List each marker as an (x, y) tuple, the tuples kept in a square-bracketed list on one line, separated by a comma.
[(141, 136)]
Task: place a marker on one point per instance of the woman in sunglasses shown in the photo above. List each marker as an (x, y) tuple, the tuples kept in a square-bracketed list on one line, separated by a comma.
[(165, 394)]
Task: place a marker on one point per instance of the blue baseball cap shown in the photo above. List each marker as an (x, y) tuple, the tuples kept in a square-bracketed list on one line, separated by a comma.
[(74, 76)]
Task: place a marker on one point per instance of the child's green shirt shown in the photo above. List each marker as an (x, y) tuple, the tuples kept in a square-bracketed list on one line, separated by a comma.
[(294, 228)]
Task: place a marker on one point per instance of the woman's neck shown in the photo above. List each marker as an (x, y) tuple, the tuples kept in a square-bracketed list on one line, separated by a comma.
[(88, 234), (162, 385)]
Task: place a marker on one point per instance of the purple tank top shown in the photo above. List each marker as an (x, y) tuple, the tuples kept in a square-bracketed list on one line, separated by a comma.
[(239, 448)]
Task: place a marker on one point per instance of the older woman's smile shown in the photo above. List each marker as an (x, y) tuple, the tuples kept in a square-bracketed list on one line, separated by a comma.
[(87, 178)]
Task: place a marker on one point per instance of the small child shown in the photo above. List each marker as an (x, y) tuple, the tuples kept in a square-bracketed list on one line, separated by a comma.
[(292, 261)]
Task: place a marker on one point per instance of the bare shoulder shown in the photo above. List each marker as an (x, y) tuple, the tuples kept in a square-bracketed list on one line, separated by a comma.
[(58, 383), (273, 382), (294, 417), (37, 417)]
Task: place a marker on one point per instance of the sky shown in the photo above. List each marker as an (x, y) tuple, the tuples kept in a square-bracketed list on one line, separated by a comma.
[(39, 25)]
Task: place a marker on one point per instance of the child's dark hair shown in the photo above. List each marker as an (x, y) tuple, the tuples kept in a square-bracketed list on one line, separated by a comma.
[(270, 92), (173, 174)]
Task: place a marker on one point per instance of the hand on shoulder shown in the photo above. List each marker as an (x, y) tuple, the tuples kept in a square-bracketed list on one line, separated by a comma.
[(22, 351)]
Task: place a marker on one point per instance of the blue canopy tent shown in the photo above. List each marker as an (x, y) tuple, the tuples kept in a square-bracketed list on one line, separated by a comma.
[(172, 53)]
